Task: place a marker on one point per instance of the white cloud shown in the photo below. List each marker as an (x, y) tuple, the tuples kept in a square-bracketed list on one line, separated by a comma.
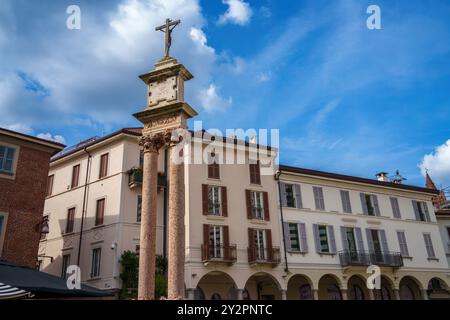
[(438, 164), (199, 37), (212, 101), (263, 76), (238, 12), (48, 136)]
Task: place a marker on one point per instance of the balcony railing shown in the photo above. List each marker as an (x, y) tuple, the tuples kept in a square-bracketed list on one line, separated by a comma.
[(384, 259), (135, 178), (264, 255), (225, 254)]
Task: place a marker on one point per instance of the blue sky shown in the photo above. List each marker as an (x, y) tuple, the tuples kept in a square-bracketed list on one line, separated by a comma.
[(345, 98)]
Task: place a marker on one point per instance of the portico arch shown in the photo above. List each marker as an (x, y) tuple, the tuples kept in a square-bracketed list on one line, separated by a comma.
[(263, 286), (330, 288), (216, 285), (300, 287)]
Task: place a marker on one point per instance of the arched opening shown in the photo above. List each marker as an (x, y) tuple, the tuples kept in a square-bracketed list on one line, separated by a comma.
[(329, 288), (215, 285), (438, 289), (386, 290), (357, 288), (262, 286), (409, 289), (299, 288)]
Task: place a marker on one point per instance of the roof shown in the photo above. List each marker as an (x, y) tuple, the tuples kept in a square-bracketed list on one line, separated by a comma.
[(25, 137), (330, 175), (442, 212), (43, 285)]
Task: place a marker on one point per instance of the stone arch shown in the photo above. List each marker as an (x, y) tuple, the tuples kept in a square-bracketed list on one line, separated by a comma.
[(329, 287), (299, 287), (438, 289), (263, 286), (386, 291), (357, 288), (216, 285), (410, 288)]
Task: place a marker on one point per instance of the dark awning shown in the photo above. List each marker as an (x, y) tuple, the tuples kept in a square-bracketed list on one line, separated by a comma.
[(43, 285)]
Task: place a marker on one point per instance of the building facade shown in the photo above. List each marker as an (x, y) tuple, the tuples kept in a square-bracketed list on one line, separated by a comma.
[(297, 234), (24, 164)]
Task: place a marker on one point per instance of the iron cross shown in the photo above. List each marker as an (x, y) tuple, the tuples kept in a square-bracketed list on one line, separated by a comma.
[(167, 29)]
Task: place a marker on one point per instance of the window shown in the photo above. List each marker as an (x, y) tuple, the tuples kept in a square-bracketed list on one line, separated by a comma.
[(369, 204), (139, 208), (429, 246), (349, 240), (70, 220), (318, 198), (6, 159), (402, 243), (257, 201), (395, 208), (50, 184), (95, 266), (421, 211), (295, 234), (289, 191), (255, 175), (65, 265), (2, 223), (137, 249), (100, 212), (214, 200), (75, 176), (43, 234), (103, 166), (346, 205), (213, 167), (215, 241), (323, 237), (291, 195), (260, 244)]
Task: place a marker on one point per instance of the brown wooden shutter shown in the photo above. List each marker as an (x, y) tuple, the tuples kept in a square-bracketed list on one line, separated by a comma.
[(257, 173), (226, 243), (75, 175), (100, 212), (210, 171), (205, 199), (269, 244), (103, 165), (251, 245), (205, 252), (249, 204), (50, 185), (224, 201), (266, 206)]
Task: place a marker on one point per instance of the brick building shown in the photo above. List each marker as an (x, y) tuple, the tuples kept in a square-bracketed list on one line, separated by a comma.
[(24, 163)]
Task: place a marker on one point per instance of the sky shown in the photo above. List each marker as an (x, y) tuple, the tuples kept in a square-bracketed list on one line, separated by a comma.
[(345, 98)]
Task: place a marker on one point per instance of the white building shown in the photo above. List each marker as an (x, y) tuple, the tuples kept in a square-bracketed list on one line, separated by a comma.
[(334, 226)]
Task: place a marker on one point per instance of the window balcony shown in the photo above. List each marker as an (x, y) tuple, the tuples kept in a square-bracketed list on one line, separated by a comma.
[(270, 256), (219, 254), (382, 259), (135, 178)]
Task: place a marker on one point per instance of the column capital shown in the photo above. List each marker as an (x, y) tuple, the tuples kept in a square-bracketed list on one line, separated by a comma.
[(154, 142)]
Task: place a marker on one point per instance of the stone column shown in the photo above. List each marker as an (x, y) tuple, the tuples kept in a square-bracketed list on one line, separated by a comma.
[(283, 294), (175, 288), (147, 251), (344, 294), (396, 294), (240, 294), (424, 294), (190, 294), (315, 293)]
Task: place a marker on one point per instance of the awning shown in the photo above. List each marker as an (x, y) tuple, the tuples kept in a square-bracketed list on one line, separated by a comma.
[(43, 285), (9, 292)]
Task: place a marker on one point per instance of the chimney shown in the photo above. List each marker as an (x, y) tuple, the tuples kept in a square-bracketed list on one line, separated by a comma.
[(382, 176), (253, 140)]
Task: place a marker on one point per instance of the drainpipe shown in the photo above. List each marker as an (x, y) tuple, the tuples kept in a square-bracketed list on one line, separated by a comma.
[(88, 168), (277, 177)]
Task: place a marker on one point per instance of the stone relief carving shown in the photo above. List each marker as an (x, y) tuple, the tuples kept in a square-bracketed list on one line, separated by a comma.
[(162, 91)]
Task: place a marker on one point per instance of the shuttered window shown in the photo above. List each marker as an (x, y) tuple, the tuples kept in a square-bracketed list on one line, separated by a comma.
[(255, 174), (291, 195), (296, 240), (324, 239), (75, 176), (100, 212), (103, 165), (65, 265), (139, 208), (214, 200), (429, 245), (402, 243), (50, 184), (95, 265), (395, 208), (70, 220), (318, 198), (421, 211), (369, 203), (345, 198), (214, 171)]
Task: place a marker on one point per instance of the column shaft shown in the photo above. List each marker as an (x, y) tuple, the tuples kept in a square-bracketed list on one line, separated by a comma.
[(147, 251), (176, 252)]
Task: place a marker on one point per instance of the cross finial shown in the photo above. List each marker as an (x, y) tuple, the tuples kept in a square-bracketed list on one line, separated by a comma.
[(167, 29)]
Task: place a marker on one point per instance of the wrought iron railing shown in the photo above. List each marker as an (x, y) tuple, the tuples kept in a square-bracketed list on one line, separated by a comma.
[(219, 253), (135, 177), (358, 258), (264, 255)]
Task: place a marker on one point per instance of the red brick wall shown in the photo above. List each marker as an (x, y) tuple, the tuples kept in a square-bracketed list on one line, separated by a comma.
[(23, 199)]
